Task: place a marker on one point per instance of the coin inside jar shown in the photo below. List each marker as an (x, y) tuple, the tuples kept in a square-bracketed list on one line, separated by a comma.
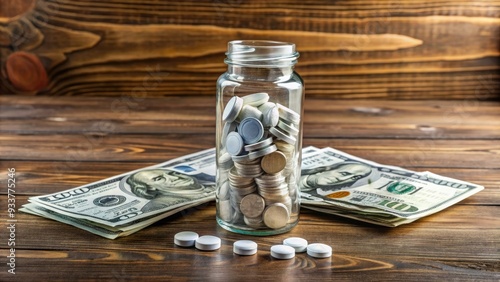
[(276, 216), (274, 162), (252, 205)]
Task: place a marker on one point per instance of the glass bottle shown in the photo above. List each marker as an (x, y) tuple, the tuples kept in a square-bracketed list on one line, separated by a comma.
[(259, 138)]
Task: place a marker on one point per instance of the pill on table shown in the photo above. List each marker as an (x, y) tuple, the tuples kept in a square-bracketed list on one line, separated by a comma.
[(318, 250), (273, 162), (299, 244), (256, 99), (245, 247), (282, 252), (251, 130), (232, 109), (234, 144), (208, 243), (276, 216), (185, 238)]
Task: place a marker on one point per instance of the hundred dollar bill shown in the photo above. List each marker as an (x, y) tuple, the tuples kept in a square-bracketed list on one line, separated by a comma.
[(338, 183), (139, 195)]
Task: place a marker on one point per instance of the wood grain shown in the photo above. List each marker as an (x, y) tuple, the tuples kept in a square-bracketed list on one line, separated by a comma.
[(57, 143), (349, 49)]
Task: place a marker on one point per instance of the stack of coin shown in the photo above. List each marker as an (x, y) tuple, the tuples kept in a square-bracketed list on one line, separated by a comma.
[(258, 163)]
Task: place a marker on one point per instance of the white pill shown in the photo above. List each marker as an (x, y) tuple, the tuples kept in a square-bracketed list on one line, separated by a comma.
[(282, 252), (256, 99), (251, 130), (299, 244), (232, 109), (318, 250), (185, 238), (228, 127), (249, 111), (234, 144), (208, 243), (245, 247), (270, 114)]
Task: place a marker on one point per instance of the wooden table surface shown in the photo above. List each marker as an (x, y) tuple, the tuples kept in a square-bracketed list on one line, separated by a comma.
[(57, 143)]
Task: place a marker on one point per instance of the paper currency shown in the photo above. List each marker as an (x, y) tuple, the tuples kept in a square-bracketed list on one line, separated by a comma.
[(338, 183), (121, 205), (332, 182)]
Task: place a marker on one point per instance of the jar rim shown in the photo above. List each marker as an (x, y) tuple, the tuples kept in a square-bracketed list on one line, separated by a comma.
[(261, 52)]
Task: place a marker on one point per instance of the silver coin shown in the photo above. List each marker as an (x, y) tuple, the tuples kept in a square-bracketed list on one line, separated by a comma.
[(291, 129), (282, 135), (255, 223), (259, 145), (262, 152), (276, 216), (288, 115), (252, 205), (284, 147)]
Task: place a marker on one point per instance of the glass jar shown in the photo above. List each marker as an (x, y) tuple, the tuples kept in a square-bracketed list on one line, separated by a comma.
[(259, 138)]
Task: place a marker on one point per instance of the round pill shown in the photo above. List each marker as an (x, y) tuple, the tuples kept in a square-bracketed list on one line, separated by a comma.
[(185, 238), (234, 144), (282, 252), (251, 130), (270, 114), (208, 243), (232, 109), (318, 250), (249, 111), (228, 127), (256, 99), (299, 244), (245, 247)]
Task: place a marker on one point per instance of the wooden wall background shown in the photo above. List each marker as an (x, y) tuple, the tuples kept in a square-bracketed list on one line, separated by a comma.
[(439, 49)]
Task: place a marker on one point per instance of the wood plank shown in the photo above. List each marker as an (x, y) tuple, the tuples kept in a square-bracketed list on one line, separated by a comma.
[(402, 257), (462, 221), (322, 117), (354, 50), (69, 150)]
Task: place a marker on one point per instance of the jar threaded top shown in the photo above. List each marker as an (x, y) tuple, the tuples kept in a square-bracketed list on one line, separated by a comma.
[(261, 53)]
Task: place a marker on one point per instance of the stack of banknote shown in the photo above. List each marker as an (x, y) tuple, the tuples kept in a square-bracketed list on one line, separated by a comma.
[(331, 182), (124, 204), (338, 183)]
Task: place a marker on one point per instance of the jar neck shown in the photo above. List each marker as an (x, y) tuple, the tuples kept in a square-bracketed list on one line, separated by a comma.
[(260, 73)]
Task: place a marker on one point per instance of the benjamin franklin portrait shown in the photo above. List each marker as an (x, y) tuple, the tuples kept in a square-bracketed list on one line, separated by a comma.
[(327, 179), (166, 188)]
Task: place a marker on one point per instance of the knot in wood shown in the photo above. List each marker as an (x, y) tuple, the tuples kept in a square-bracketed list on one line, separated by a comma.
[(26, 72)]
